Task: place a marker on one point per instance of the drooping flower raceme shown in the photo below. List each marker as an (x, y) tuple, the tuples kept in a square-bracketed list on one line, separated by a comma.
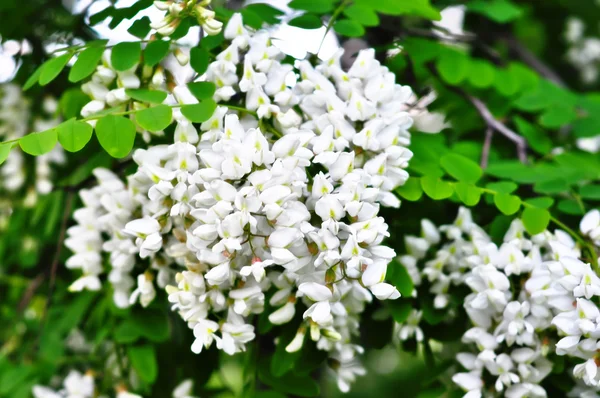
[(530, 296), (278, 191)]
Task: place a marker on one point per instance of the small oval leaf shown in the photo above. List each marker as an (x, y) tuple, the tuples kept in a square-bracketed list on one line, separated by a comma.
[(53, 67), (200, 112), (39, 143), (116, 134), (125, 55), (155, 118), (145, 95), (86, 64), (73, 135)]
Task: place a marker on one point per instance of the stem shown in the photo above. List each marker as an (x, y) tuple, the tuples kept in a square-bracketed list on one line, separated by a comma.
[(485, 151), (334, 16)]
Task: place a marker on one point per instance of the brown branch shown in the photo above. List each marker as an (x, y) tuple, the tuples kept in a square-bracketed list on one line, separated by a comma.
[(487, 143), (495, 124)]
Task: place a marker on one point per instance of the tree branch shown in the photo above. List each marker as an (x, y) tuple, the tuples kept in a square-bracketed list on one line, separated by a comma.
[(485, 151)]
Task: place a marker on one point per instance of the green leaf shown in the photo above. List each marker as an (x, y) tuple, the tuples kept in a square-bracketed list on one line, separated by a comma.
[(587, 191), (421, 8), (199, 58), (127, 332), (481, 74), (202, 90), (39, 143), (362, 14), (155, 118), (283, 361), (558, 185), (73, 135), (72, 101), (461, 167), (306, 21), (571, 207), (316, 6), (349, 28), (506, 83), (5, 151), (587, 126), (33, 79), (557, 116), (53, 67), (290, 384), (86, 64), (399, 277), (140, 28), (537, 139), (210, 42), (125, 55), (507, 204), (411, 190), (146, 95), (200, 112), (435, 188), (116, 134), (269, 14), (400, 309), (155, 51), (453, 66), (535, 220), (541, 202), (143, 360), (469, 194), (501, 11)]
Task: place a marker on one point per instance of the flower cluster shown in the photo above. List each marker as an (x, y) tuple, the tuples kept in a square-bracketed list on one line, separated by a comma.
[(177, 10), (78, 385), (530, 296), (278, 191)]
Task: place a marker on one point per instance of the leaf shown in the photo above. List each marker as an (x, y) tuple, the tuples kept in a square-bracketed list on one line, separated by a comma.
[(53, 67), (461, 167), (587, 126), (435, 188), (481, 74), (283, 361), (202, 90), (125, 55), (501, 11), (362, 14), (140, 28), (143, 360), (39, 143), (507, 204), (541, 202), (86, 64), (5, 151), (349, 28), (558, 185), (587, 191), (73, 135), (535, 220), (316, 6), (199, 58), (572, 207), (506, 83), (33, 79), (453, 66), (155, 118), (557, 116), (400, 309), (290, 384), (146, 95), (411, 190), (116, 134), (537, 139), (306, 21), (469, 194), (420, 8), (200, 112), (72, 101), (155, 51), (266, 12), (127, 332), (399, 277)]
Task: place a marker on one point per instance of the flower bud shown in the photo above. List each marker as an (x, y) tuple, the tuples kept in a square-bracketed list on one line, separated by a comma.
[(182, 58), (298, 341)]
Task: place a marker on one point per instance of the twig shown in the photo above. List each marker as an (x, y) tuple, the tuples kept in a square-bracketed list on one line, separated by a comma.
[(28, 295), (487, 143), (495, 124), (56, 259), (534, 62)]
